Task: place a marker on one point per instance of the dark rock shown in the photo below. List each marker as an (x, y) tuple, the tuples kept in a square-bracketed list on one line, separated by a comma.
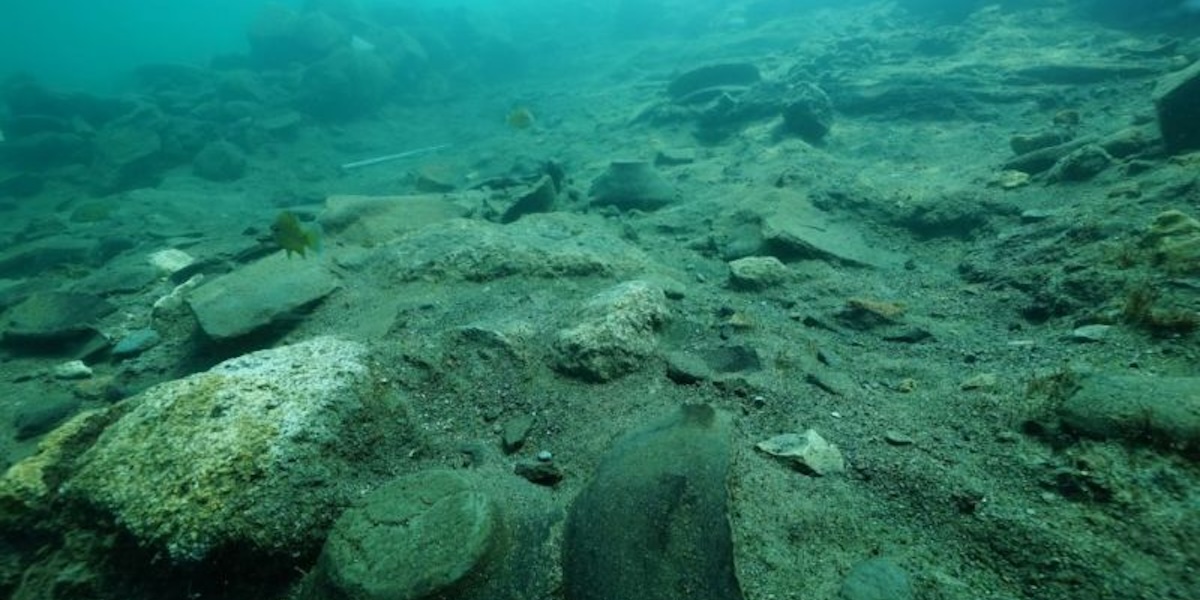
[(1042, 159), (32, 421), (710, 77), (539, 472), (129, 151), (46, 150), (1025, 143), (220, 161), (540, 197), (807, 112), (732, 359), (1081, 164), (632, 184), (660, 495), (49, 318), (1177, 103)]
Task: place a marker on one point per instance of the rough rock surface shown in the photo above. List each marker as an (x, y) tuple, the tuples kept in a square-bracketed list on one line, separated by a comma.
[(420, 535), (616, 335), (258, 295), (248, 455)]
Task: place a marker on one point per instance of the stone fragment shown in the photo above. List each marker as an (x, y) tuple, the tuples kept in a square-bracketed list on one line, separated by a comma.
[(808, 452), (616, 332), (757, 273), (259, 294), (1177, 104), (630, 185), (52, 318)]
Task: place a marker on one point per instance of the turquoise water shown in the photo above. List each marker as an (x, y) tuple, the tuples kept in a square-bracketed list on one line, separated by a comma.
[(600, 300)]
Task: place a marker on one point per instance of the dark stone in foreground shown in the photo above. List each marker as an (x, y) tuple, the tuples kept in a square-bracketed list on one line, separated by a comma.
[(653, 523)]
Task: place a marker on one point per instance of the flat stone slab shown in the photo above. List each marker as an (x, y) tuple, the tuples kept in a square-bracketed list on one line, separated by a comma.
[(802, 231), (259, 294), (54, 316)]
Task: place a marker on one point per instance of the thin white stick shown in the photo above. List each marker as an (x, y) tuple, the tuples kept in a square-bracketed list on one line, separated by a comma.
[(390, 157)]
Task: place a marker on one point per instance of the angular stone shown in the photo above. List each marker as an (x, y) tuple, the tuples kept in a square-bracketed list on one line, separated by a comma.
[(52, 317), (1177, 103), (257, 454), (259, 295), (807, 451)]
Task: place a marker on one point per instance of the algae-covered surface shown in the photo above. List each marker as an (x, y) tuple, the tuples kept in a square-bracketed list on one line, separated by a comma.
[(947, 238)]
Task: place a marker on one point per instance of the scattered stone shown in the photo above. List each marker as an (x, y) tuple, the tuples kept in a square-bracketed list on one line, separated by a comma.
[(135, 342), (541, 472), (867, 313), (807, 112), (755, 273), (1010, 179), (514, 431), (673, 157), (170, 260), (540, 197), (34, 259), (1090, 333), (808, 452), (632, 185), (1160, 410), (1174, 241), (896, 438), (72, 369), (1081, 164), (876, 579), (220, 161), (1024, 143), (616, 334), (1177, 103), (258, 453), (685, 368), (43, 416), (418, 537), (50, 319), (545, 455), (980, 381), (129, 152), (259, 295)]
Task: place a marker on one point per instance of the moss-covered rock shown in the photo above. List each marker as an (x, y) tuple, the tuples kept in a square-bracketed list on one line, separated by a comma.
[(256, 454)]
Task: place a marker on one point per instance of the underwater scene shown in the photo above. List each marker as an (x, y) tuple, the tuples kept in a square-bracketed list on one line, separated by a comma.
[(600, 300)]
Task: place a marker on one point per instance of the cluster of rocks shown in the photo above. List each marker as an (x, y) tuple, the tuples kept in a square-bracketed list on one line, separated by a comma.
[(315, 65)]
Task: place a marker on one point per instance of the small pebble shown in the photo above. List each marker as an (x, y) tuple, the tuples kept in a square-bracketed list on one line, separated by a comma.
[(74, 369), (545, 456)]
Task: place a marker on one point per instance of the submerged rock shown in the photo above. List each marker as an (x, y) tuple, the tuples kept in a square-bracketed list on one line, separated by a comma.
[(1177, 102), (632, 184), (616, 334), (259, 295), (654, 521), (253, 455), (417, 537)]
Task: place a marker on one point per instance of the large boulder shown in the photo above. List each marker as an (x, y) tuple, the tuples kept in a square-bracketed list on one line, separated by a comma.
[(255, 456)]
